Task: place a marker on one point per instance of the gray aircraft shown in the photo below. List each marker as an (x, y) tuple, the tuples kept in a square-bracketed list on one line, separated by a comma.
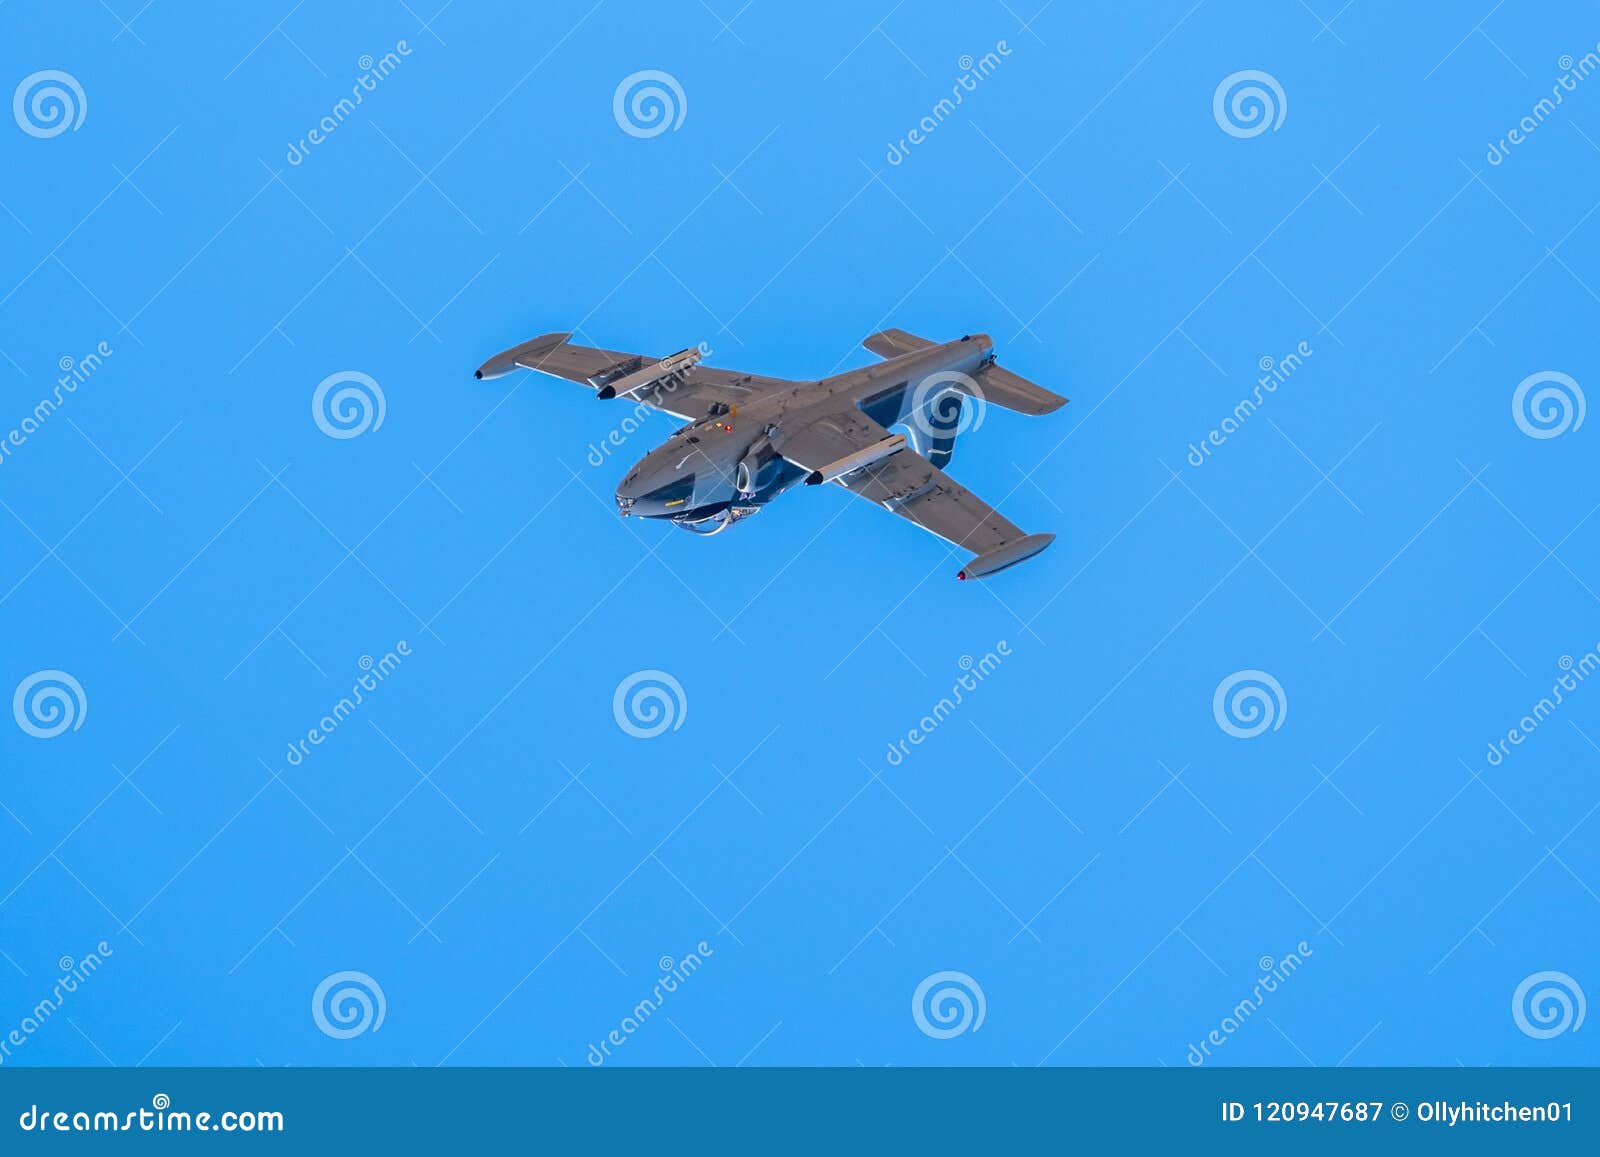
[(750, 438)]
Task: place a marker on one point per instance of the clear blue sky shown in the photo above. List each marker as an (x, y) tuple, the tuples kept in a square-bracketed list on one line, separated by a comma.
[(1081, 838)]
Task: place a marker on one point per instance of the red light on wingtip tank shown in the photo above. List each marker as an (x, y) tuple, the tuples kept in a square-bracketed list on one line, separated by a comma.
[(961, 576)]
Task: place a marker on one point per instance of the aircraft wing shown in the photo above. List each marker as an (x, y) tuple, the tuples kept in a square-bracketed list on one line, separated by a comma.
[(688, 392), (900, 480), (828, 442)]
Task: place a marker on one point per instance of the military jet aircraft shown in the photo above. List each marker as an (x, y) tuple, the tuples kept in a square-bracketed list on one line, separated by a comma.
[(750, 438)]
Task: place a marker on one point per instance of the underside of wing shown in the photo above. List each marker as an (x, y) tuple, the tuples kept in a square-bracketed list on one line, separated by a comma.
[(850, 449), (830, 443), (918, 491), (912, 487), (678, 384)]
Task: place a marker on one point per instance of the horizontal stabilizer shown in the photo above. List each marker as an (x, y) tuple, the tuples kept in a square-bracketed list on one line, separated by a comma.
[(891, 343), (1015, 392)]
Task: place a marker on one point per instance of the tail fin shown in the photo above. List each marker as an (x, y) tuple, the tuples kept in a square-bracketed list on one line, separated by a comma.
[(944, 422), (1015, 392), (1000, 386)]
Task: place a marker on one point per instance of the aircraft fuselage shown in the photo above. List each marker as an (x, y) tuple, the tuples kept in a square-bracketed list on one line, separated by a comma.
[(722, 466)]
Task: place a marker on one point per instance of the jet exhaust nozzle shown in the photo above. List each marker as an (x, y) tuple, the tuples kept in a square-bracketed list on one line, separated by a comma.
[(647, 376), (855, 460)]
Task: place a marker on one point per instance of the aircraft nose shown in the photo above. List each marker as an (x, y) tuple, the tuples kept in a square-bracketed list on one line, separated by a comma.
[(628, 494), (650, 493)]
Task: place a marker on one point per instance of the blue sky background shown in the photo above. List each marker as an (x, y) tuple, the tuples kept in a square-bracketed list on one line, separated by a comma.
[(1381, 537)]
